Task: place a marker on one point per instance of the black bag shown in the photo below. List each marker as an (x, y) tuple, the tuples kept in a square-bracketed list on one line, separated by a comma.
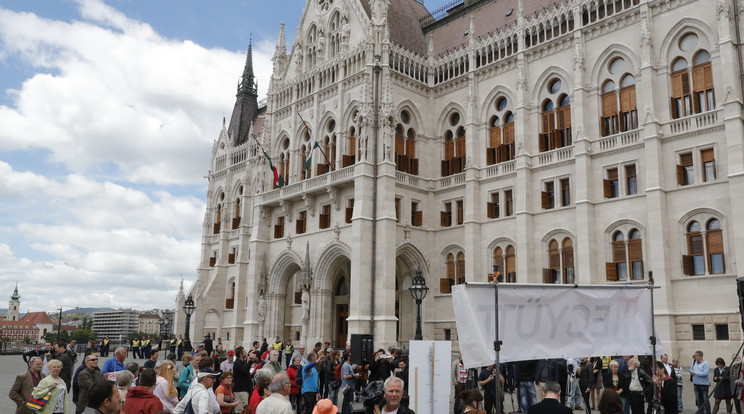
[(335, 384)]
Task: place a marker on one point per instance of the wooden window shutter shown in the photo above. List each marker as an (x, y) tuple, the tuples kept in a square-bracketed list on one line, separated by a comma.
[(687, 266), (278, 231), (680, 175), (548, 276), (414, 169), (607, 188), (568, 257), (677, 83), (611, 270), (491, 210), (495, 137), (445, 168), (554, 259), (347, 161), (707, 155), (460, 272), (444, 218), (399, 145), (299, 226), (417, 218), (609, 104), (566, 116), (625, 100), (695, 244), (322, 168), (460, 211), (449, 150), (352, 145), (411, 148), (685, 85), (618, 251), (635, 250), (511, 261), (490, 156), (405, 163), (708, 75), (547, 122), (545, 198), (698, 78), (445, 286), (509, 133), (503, 155), (349, 214), (632, 98), (715, 241), (685, 159), (460, 147)]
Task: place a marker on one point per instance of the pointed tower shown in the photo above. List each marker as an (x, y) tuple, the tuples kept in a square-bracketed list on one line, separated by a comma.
[(280, 55), (14, 305), (245, 110)]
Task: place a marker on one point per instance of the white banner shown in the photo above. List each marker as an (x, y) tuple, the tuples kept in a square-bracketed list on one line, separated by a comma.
[(551, 322)]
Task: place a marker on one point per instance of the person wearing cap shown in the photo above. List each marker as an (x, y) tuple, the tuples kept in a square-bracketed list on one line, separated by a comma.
[(198, 396), (277, 344), (229, 363), (325, 406), (198, 349), (277, 402), (392, 397)]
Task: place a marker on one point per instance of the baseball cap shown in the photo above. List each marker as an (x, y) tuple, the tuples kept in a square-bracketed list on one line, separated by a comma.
[(230, 352), (207, 372)]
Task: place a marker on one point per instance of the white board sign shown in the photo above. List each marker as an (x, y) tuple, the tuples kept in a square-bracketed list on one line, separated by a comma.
[(429, 376)]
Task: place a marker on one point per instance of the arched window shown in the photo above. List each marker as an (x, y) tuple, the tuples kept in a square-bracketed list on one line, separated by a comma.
[(230, 300), (238, 214), (334, 34), (350, 157), (556, 117), (714, 241), (627, 256), (454, 146), (405, 145), (305, 149), (501, 133), (454, 271), (327, 159), (342, 288), (691, 94), (218, 213), (506, 260), (560, 262), (283, 161)]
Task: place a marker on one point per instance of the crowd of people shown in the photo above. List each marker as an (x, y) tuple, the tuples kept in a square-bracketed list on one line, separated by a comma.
[(280, 378), (610, 385), (208, 380)]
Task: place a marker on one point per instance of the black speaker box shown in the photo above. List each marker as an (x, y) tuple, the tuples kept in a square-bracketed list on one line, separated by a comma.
[(361, 348)]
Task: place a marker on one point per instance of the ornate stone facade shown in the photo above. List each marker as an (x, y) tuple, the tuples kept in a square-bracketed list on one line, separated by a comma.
[(582, 142)]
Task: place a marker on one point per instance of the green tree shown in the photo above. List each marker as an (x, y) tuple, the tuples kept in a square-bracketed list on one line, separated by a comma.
[(6, 341), (26, 340), (82, 336)]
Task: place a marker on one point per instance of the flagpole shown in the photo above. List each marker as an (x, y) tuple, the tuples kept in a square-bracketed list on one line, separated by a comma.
[(328, 163)]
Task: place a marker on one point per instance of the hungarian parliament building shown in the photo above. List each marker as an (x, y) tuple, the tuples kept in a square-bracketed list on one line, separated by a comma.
[(567, 142)]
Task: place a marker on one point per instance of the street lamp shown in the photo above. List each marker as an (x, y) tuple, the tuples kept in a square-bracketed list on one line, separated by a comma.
[(188, 309), (418, 291)]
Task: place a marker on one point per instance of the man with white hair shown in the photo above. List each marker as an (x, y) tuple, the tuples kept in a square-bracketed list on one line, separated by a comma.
[(274, 364), (393, 395), (116, 363), (277, 402)]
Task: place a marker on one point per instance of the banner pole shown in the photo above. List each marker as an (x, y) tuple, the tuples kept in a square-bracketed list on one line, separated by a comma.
[(655, 401), (497, 342)]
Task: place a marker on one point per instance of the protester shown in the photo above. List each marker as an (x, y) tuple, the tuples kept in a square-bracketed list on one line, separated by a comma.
[(348, 383), (722, 390), (640, 385), (229, 363), (181, 365), (224, 393), (197, 396), (487, 382), (617, 382), (392, 398), (140, 399), (103, 398), (123, 383), (471, 402), (165, 388), (610, 403), (25, 383), (526, 378), (736, 382), (700, 370), (586, 381), (242, 379), (188, 374), (550, 403), (262, 379), (277, 402), (87, 378), (153, 359), (288, 351), (67, 363), (666, 389), (295, 397), (679, 375), (116, 363), (55, 386)]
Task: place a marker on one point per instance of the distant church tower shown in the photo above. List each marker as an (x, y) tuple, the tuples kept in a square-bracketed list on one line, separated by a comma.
[(14, 305)]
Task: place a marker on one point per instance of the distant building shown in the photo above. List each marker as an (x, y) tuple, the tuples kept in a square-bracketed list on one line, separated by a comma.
[(14, 306), (17, 331), (149, 323), (115, 323), (42, 322)]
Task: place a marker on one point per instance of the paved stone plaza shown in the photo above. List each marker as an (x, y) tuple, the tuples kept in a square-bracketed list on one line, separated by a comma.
[(11, 365)]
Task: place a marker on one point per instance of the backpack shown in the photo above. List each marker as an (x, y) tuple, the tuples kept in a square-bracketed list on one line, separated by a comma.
[(298, 378), (337, 371)]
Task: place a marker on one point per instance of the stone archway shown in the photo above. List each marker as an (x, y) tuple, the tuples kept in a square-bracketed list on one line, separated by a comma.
[(408, 259), (280, 296), (211, 324), (328, 310)]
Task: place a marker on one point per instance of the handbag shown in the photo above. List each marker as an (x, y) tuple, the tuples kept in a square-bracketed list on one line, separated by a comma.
[(37, 404), (345, 388), (335, 384)]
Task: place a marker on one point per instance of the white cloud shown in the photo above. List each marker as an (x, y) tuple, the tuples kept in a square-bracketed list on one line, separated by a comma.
[(115, 92)]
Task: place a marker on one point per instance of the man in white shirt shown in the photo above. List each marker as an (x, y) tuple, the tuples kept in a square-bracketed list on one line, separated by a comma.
[(198, 396), (229, 363), (278, 401)]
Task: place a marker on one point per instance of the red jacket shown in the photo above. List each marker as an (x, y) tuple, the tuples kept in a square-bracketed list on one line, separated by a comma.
[(141, 401)]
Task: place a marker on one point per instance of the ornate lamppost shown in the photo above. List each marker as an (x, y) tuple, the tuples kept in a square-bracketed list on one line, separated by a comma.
[(418, 290), (188, 309)]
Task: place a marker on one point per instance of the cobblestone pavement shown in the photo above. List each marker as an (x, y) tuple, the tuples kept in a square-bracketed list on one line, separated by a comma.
[(12, 365)]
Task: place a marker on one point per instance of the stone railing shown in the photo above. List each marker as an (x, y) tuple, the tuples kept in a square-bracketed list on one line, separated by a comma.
[(319, 183), (553, 156), (623, 139), (693, 123)]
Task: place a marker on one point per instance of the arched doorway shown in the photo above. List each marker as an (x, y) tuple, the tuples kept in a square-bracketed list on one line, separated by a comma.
[(405, 307), (293, 308), (340, 310)]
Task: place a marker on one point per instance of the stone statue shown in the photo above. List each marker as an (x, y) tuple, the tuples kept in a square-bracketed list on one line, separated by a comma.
[(261, 308), (305, 305), (379, 11)]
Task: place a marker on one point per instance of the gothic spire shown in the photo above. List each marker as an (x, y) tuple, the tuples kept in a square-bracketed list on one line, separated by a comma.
[(15, 293), (247, 83)]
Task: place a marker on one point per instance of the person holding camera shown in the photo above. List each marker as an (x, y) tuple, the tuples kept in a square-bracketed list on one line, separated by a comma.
[(392, 398), (348, 383)]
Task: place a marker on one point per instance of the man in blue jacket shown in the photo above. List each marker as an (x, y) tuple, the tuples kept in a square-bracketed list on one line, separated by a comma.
[(310, 384)]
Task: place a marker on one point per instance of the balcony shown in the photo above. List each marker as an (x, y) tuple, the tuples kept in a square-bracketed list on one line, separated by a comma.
[(315, 184), (617, 141), (553, 156), (693, 123)]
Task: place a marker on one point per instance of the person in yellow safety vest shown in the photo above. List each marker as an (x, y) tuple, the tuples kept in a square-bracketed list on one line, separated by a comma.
[(288, 351), (136, 347), (145, 348), (179, 344), (172, 345)]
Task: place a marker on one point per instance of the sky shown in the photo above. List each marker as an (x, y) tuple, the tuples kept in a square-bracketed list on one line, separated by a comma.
[(108, 113)]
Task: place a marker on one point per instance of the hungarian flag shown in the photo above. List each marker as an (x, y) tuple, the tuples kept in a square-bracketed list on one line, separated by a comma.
[(313, 143), (278, 179)]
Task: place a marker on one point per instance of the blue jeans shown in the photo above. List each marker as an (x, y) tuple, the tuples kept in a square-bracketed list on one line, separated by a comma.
[(575, 394), (296, 401), (679, 398), (527, 395), (701, 399)]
